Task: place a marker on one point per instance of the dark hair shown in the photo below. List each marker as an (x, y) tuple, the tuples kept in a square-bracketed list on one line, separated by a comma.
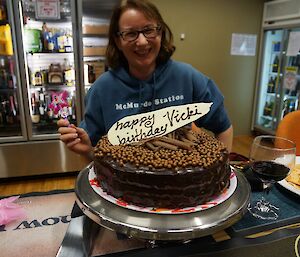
[(115, 57)]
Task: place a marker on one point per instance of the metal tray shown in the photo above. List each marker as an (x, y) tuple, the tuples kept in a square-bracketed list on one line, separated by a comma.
[(152, 226)]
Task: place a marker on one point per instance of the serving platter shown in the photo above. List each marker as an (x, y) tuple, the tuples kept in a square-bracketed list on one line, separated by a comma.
[(161, 227), (153, 209)]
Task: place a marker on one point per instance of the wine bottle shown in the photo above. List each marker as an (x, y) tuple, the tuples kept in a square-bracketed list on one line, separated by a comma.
[(68, 42), (35, 114), (2, 111), (3, 73), (270, 88), (38, 78), (45, 35), (69, 73), (275, 64), (51, 45), (91, 74), (9, 113)]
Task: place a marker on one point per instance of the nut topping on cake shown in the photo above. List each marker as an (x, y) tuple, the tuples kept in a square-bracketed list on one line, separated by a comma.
[(180, 149)]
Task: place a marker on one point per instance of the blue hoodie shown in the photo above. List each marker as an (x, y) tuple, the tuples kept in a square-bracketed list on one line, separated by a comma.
[(116, 94)]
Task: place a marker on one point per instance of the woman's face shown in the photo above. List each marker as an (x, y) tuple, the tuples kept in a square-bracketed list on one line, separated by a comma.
[(141, 53)]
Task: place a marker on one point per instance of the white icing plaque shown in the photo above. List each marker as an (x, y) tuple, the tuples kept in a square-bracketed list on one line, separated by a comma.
[(134, 128)]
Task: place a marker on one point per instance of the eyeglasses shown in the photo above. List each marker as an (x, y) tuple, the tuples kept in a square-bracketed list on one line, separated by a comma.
[(131, 35)]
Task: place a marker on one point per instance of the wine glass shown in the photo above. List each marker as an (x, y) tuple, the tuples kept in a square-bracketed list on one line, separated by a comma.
[(271, 159)]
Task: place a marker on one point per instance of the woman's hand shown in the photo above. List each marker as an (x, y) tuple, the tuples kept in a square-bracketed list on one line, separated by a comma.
[(75, 138)]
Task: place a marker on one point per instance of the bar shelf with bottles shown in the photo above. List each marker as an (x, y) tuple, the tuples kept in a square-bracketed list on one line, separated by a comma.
[(10, 124), (48, 44), (291, 95), (94, 37), (268, 117)]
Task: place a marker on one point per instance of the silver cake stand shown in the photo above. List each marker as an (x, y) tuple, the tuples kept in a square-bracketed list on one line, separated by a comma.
[(153, 226)]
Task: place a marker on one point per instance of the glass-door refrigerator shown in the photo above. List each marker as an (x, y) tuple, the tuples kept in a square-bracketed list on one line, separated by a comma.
[(50, 64), (93, 19), (12, 125), (279, 78)]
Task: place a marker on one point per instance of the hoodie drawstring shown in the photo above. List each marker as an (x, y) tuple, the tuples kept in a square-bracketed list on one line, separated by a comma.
[(153, 92)]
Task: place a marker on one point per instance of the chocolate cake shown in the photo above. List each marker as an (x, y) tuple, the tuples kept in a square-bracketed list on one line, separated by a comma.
[(181, 169)]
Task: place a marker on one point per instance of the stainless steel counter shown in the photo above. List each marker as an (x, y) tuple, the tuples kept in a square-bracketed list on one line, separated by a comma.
[(37, 158)]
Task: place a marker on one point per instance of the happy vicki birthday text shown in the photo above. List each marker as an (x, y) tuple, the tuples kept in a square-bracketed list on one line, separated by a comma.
[(149, 125)]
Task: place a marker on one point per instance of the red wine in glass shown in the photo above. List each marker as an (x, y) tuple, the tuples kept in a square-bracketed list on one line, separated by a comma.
[(272, 158), (269, 171)]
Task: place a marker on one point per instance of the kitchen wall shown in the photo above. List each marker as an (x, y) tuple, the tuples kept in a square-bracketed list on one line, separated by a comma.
[(208, 26)]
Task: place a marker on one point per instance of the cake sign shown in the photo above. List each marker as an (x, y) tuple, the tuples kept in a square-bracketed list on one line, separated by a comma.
[(134, 128)]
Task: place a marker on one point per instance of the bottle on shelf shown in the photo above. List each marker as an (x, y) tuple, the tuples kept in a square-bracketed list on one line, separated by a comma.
[(69, 73), (68, 42), (61, 39), (35, 114), (38, 78), (51, 44), (276, 46), (2, 117), (42, 105), (275, 65), (3, 73), (3, 15), (268, 108), (13, 110), (271, 85), (45, 37), (91, 74)]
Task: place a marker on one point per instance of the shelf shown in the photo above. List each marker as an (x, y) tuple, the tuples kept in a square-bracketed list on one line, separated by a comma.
[(48, 53), (95, 35), (52, 87), (275, 73), (64, 17), (267, 117), (290, 97)]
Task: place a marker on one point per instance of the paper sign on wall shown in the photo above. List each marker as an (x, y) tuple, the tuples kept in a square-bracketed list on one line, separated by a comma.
[(243, 44), (134, 128), (47, 9)]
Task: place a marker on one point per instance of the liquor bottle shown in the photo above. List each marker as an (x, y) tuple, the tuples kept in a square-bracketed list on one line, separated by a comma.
[(12, 110), (61, 42), (42, 105), (35, 114), (69, 73), (3, 15), (9, 113), (51, 44), (91, 74), (11, 78), (68, 42), (38, 78), (48, 111), (3, 73), (45, 37), (3, 121), (275, 64), (266, 111), (271, 86), (1, 115)]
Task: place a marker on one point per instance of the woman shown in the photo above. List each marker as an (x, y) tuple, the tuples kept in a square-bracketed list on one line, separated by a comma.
[(142, 78)]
